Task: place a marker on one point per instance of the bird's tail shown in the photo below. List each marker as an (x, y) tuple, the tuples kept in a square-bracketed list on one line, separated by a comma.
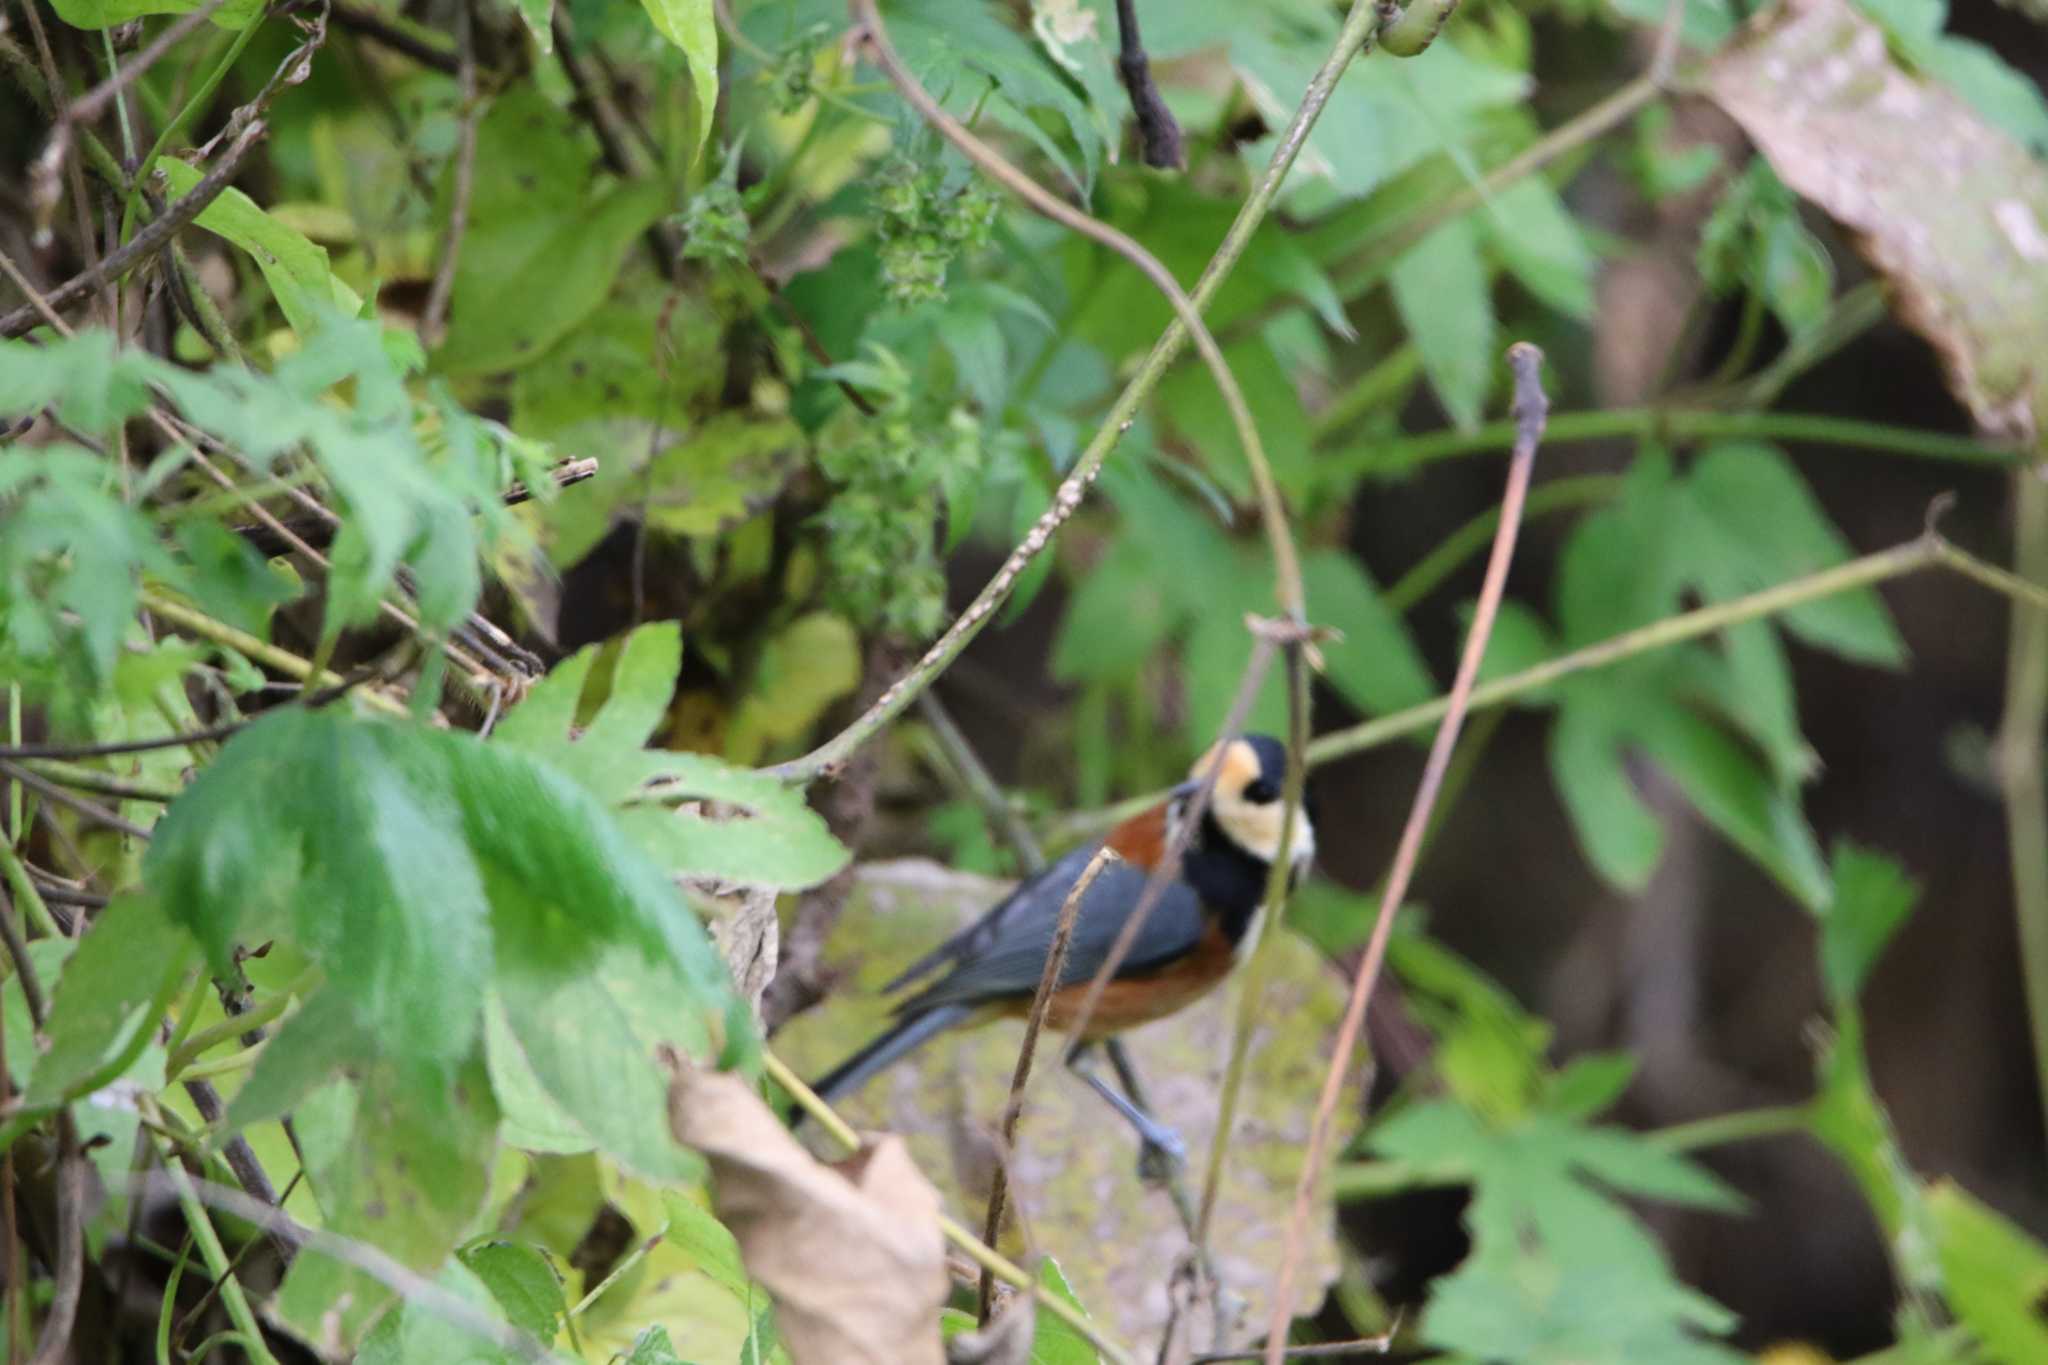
[(906, 1036)]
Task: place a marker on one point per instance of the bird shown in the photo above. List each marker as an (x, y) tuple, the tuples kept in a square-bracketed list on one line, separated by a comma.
[(1194, 934)]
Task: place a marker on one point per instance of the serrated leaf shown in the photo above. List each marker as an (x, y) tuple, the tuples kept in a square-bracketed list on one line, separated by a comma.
[(1589, 1085), (774, 839), (1441, 291), (417, 1335)]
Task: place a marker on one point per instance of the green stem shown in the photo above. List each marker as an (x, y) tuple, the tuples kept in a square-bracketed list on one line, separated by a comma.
[(259, 1013), (25, 891), (1368, 393), (1744, 1125), (262, 651), (2019, 764), (827, 757), (185, 115), (215, 1256), (1397, 457), (1857, 573)]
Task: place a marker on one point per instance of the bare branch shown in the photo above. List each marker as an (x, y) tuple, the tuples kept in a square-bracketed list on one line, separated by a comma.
[(1531, 406), (1159, 137), (435, 316)]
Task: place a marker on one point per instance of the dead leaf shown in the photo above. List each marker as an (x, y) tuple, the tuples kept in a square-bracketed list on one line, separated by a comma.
[(851, 1253), (1952, 210), (1073, 1175), (748, 935)]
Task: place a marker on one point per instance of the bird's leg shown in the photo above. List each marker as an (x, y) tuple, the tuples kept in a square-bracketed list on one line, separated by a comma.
[(1161, 1152)]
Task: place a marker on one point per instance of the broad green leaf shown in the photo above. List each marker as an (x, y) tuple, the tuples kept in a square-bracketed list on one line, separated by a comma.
[(773, 839), (229, 580), (399, 1157), (1376, 664), (410, 864), (525, 1284), (801, 670), (1529, 229), (112, 992), (1996, 1276), (1622, 567), (1872, 897), (653, 1347), (101, 14), (591, 1042), (720, 474), (599, 378), (530, 1118), (47, 956), (1588, 1085), (539, 16), (545, 242), (692, 25), (414, 1334), (1115, 618), (1441, 292), (1489, 1050), (293, 266)]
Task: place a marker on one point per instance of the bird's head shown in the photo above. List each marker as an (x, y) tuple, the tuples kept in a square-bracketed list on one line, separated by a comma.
[(1247, 805)]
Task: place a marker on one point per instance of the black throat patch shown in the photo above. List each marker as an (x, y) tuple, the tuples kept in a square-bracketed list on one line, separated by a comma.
[(1230, 881)]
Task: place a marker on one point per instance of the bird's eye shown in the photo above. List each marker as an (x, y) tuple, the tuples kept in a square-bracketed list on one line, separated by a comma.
[(1261, 792)]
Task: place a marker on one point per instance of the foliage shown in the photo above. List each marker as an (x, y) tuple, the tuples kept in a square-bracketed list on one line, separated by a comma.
[(445, 767)]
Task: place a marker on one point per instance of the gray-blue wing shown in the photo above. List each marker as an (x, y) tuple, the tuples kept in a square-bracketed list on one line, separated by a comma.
[(1003, 953)]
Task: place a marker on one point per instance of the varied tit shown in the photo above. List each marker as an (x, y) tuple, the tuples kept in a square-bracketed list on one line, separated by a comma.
[(1192, 937)]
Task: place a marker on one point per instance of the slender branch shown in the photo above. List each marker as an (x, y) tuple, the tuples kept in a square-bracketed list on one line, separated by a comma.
[(1744, 1125), (1013, 1108), (980, 785), (1159, 136), (93, 780), (1286, 567), (120, 746), (87, 107), (262, 651), (146, 242), (91, 810), (1530, 408), (435, 316), (979, 1251), (1398, 457), (1330, 1350), (379, 30), (828, 757), (53, 1347), (2020, 735)]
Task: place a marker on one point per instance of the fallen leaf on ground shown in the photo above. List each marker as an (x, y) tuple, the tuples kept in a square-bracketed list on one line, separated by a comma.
[(851, 1252)]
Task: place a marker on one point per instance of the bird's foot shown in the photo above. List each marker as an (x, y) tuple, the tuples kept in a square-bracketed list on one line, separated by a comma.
[(1161, 1156)]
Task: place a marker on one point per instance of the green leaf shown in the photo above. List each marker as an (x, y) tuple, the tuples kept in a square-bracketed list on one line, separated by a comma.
[(801, 670), (1116, 616), (525, 1284), (1622, 837), (545, 242), (131, 959), (293, 266), (1520, 640), (653, 1347), (1529, 229), (410, 864), (229, 580), (99, 14), (1621, 568), (1996, 1276), (773, 838), (47, 956), (399, 1158), (1441, 292), (539, 16), (417, 1335), (1588, 1085), (720, 474), (1872, 897), (1751, 523), (693, 27), (1376, 664), (1055, 1343)]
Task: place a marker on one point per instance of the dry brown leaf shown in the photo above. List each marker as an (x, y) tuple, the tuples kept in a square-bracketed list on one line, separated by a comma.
[(1072, 1178), (851, 1252), (1952, 210)]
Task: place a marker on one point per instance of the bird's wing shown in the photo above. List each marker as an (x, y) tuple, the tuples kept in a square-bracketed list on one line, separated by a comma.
[(1003, 954), (970, 940)]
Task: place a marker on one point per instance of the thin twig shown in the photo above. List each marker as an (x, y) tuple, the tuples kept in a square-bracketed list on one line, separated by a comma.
[(979, 1251), (1159, 137), (1286, 567), (1330, 1350), (121, 746), (435, 316), (54, 1345), (1013, 1108), (146, 242), (90, 809), (1530, 408), (93, 780), (829, 756), (2020, 734), (87, 107), (664, 241), (981, 786), (379, 30)]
